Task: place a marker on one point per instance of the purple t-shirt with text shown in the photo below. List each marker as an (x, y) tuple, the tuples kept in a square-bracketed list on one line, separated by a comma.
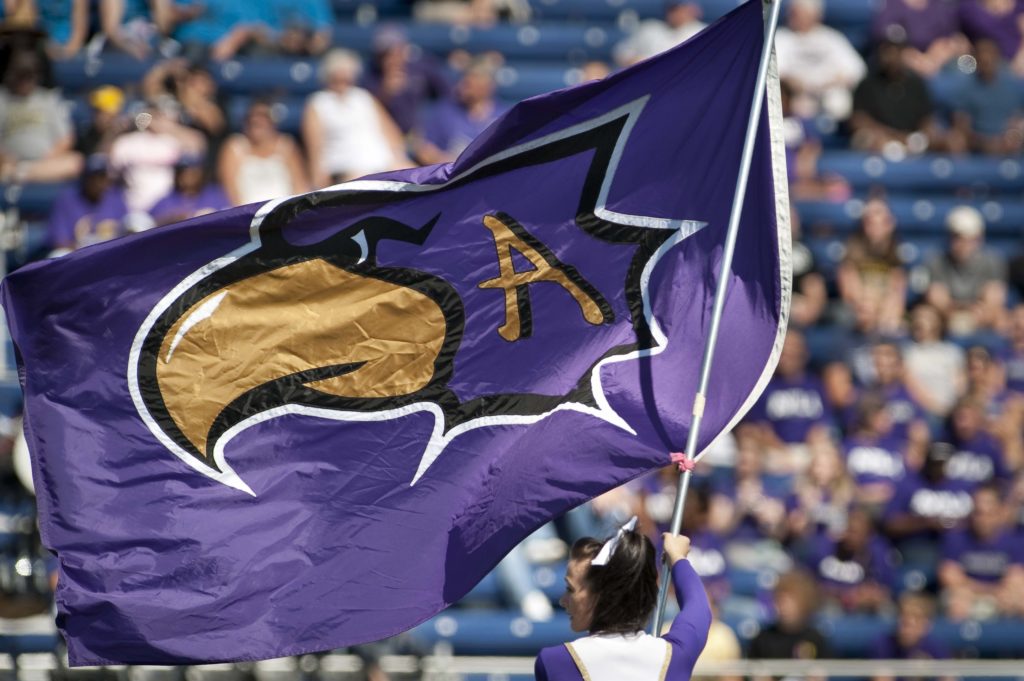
[(792, 407), (985, 560)]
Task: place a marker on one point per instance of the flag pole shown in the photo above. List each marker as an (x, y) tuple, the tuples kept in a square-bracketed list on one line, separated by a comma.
[(771, 23)]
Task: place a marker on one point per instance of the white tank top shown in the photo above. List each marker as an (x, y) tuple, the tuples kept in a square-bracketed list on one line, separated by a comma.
[(261, 178), (354, 142), (621, 657)]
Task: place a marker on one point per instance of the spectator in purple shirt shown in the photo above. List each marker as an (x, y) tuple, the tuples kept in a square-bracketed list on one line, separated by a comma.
[(930, 30), (909, 422), (89, 212), (707, 550), (403, 79), (192, 195), (874, 457), (856, 570), (912, 639), (450, 126), (978, 456), (1001, 21), (822, 497), (792, 408), (982, 569), (1013, 357), (926, 505)]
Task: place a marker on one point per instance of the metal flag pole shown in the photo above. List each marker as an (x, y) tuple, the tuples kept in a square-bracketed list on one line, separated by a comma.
[(771, 23)]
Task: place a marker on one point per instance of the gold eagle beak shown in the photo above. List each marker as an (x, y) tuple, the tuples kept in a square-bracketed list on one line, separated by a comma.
[(371, 338)]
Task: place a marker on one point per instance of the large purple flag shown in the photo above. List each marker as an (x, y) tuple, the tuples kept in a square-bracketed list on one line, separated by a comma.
[(319, 421)]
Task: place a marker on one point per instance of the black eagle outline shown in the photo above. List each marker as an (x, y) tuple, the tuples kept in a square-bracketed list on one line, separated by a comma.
[(354, 249)]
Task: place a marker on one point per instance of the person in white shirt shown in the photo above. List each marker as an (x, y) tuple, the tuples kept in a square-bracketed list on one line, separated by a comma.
[(682, 21), (347, 133), (818, 61)]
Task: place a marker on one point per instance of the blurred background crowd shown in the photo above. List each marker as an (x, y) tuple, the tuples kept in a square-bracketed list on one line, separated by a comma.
[(872, 503)]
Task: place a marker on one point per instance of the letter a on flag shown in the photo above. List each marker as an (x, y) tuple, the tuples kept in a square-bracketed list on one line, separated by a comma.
[(319, 421)]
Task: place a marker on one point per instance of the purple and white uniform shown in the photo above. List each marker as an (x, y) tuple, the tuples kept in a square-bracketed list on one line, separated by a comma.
[(639, 656)]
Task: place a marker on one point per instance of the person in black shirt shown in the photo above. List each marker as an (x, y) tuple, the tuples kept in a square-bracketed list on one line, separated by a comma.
[(893, 112), (792, 635)]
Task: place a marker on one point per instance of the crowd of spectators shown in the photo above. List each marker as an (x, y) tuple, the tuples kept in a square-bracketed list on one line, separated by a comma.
[(884, 475)]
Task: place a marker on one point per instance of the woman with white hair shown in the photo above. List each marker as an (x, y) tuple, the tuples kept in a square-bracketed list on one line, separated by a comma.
[(346, 131)]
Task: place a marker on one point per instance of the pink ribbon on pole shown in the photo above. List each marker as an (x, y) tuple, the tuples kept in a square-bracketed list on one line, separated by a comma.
[(684, 462)]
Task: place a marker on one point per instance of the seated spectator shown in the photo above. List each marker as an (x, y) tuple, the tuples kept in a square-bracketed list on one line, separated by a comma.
[(89, 212), (872, 280), (476, 12), (929, 30), (822, 497), (912, 639), (106, 123), (654, 36), (792, 409), (65, 23), (36, 137), (192, 195), (821, 84), (978, 456), (986, 386), (874, 458), (925, 506), (448, 127), (305, 27), (967, 282), (748, 513), (856, 570), (707, 550), (145, 157), (346, 132), (893, 112), (1013, 357), (792, 635), (133, 26), (222, 29), (404, 79), (934, 366), (908, 418), (982, 570), (803, 149), (988, 107), (810, 295), (261, 163), (191, 92), (1001, 21)]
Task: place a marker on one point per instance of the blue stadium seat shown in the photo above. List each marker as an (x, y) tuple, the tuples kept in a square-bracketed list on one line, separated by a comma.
[(515, 83), (1004, 218), (595, 10), (928, 173), (493, 633), (376, 8), (267, 76), (33, 199), (576, 43), (82, 74)]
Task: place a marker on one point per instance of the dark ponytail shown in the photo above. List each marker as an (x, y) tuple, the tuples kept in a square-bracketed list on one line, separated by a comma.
[(626, 589)]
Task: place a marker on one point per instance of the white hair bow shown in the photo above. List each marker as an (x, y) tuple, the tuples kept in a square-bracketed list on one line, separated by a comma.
[(605, 554)]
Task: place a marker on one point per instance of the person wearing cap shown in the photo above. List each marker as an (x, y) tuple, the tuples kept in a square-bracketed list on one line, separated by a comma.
[(36, 135), (192, 195), (91, 211), (967, 282), (107, 122), (611, 591)]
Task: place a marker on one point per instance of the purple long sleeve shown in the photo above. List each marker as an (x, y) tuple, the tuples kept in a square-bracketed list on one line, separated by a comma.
[(687, 636), (689, 631)]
